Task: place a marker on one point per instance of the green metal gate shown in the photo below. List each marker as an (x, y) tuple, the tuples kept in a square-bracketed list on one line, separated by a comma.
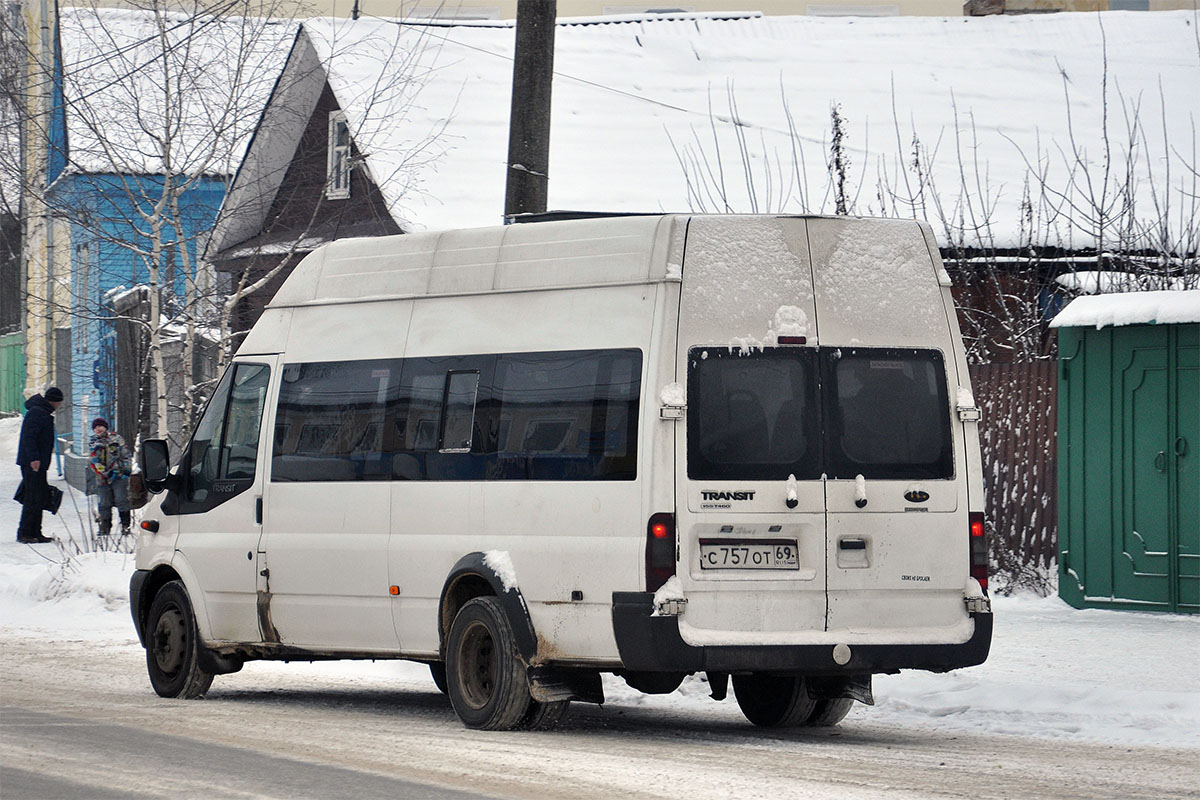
[(12, 374), (1129, 478)]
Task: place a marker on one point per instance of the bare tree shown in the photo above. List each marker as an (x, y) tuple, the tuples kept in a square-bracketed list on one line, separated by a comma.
[(157, 104), (1078, 210)]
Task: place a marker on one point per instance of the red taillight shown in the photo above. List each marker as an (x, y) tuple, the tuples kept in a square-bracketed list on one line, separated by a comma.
[(792, 340), (660, 550), (150, 525), (979, 553)]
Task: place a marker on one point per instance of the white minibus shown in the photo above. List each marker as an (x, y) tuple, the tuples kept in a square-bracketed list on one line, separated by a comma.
[(651, 446)]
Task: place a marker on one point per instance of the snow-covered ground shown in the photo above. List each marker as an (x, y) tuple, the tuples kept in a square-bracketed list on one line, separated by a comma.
[(1054, 672)]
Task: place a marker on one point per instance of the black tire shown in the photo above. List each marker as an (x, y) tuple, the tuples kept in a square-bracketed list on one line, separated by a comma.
[(773, 701), (829, 712), (544, 716), (437, 671), (173, 645), (485, 678)]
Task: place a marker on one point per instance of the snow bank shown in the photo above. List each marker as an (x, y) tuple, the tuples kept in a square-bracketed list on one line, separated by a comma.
[(43, 595), (1062, 673)]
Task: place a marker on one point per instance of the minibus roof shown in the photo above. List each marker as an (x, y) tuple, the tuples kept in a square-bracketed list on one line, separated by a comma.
[(575, 253)]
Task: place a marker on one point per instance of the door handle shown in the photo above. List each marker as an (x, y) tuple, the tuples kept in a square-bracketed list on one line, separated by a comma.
[(1181, 447), (1160, 461), (258, 511)]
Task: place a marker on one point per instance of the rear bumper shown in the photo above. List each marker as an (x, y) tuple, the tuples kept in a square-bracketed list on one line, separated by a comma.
[(653, 644)]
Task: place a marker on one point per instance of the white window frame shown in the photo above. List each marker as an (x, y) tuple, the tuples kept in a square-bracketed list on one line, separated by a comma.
[(337, 170)]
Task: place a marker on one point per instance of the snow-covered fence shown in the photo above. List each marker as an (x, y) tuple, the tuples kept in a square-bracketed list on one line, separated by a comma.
[(1018, 437)]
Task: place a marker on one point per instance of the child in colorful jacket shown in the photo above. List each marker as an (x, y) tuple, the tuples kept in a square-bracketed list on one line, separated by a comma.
[(110, 465)]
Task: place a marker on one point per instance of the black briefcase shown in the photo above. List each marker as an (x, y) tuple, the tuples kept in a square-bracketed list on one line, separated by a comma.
[(54, 499), (54, 496)]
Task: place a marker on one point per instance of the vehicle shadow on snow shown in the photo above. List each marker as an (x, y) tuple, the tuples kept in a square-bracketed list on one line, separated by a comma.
[(374, 702), (720, 724)]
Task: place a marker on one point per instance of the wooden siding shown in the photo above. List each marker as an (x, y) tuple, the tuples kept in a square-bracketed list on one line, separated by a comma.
[(300, 211)]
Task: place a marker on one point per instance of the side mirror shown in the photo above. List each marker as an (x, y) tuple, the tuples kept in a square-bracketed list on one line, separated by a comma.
[(156, 464)]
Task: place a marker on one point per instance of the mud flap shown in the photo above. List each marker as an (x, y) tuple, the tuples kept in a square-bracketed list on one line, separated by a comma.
[(856, 687), (552, 684), (719, 683), (217, 664)]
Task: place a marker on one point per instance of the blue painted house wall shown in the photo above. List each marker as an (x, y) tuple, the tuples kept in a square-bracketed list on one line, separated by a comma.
[(106, 235), (108, 251)]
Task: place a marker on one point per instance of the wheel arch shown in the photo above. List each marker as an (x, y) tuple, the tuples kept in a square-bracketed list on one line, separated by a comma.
[(177, 569), (144, 586), (471, 577)]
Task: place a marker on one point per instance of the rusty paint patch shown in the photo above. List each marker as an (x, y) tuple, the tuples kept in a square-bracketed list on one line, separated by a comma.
[(265, 626), (546, 652)]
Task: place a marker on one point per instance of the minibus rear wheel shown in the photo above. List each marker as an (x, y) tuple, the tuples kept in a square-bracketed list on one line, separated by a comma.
[(485, 677), (773, 701), (829, 712), (544, 716), (173, 645)]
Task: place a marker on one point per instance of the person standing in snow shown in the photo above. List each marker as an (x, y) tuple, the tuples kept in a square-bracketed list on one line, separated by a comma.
[(34, 450), (110, 468)]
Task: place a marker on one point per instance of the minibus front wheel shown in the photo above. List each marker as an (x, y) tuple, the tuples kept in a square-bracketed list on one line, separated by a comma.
[(437, 671), (173, 645)]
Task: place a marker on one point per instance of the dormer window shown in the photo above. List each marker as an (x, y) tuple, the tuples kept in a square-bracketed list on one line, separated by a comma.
[(337, 183)]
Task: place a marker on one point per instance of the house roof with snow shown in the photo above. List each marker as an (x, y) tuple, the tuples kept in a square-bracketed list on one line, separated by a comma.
[(988, 127), (120, 118)]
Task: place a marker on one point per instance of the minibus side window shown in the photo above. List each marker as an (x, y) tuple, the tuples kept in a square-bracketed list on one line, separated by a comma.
[(889, 414), (458, 417), (239, 453), (330, 421), (203, 452), (225, 444), (441, 418), (568, 415)]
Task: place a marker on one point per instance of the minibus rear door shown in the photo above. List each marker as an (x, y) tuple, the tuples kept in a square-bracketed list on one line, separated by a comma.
[(896, 493), (750, 500)]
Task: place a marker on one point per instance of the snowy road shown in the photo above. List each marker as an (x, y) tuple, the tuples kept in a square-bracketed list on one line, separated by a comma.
[(88, 716)]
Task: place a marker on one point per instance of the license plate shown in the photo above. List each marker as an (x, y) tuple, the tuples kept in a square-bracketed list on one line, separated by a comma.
[(749, 554)]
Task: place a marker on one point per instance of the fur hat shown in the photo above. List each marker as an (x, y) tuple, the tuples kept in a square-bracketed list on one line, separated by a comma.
[(54, 394), (100, 421)]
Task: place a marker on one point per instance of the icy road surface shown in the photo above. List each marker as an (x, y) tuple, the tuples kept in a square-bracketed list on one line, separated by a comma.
[(387, 721)]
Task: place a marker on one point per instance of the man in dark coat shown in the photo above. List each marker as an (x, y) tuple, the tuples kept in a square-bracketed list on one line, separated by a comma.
[(34, 451)]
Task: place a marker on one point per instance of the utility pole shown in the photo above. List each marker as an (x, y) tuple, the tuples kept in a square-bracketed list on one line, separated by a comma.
[(529, 120)]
